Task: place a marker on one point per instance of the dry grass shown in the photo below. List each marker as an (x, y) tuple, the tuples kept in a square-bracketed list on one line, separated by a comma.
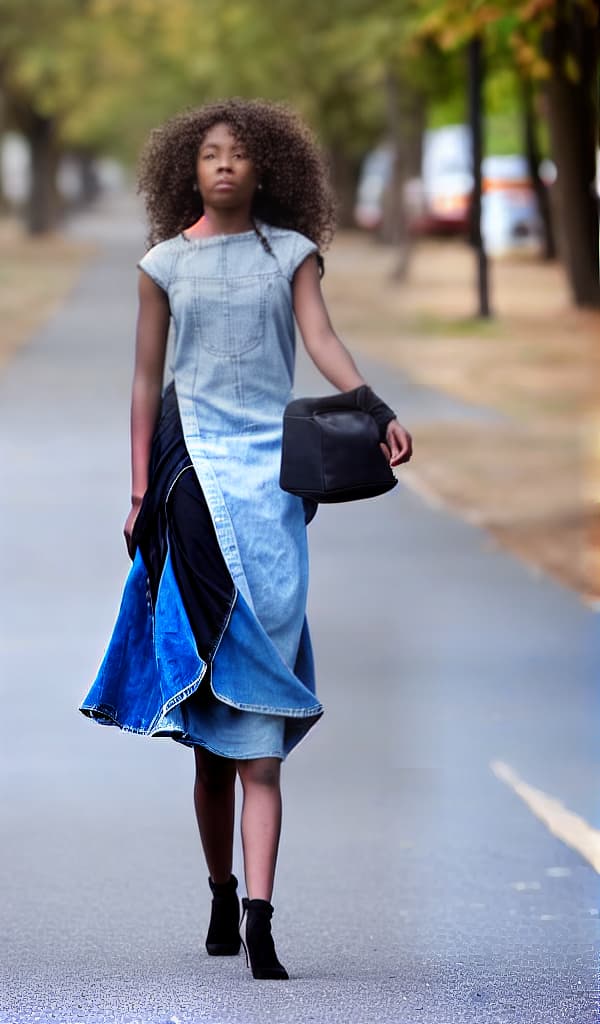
[(35, 276), (533, 480)]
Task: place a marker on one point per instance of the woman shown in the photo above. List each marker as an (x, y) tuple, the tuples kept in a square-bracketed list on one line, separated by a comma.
[(211, 644)]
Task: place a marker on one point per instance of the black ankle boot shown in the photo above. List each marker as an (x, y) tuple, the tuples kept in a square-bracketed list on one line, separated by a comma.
[(259, 944), (223, 937)]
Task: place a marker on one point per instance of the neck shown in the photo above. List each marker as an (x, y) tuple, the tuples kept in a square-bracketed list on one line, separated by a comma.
[(222, 222)]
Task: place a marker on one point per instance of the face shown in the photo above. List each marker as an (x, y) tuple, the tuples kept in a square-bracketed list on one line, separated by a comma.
[(225, 172)]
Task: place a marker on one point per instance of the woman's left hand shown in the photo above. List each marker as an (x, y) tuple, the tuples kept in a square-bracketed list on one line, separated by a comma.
[(398, 444)]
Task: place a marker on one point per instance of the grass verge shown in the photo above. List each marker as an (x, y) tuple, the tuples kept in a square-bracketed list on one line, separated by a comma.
[(532, 479), (35, 277)]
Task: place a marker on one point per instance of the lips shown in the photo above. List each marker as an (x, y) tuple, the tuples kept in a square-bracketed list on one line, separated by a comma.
[(224, 186)]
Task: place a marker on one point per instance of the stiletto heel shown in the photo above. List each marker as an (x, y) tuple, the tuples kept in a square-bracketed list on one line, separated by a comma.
[(259, 945), (245, 906), (223, 937)]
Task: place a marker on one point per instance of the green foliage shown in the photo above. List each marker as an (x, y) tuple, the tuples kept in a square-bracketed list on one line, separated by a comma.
[(108, 70)]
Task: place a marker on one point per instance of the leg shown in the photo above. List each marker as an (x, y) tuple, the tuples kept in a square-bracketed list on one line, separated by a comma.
[(214, 796), (261, 823), (214, 792)]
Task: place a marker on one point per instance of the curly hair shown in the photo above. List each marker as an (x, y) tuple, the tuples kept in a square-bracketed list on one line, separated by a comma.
[(295, 189)]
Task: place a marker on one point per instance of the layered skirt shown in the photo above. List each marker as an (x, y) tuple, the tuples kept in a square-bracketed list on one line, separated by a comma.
[(189, 657)]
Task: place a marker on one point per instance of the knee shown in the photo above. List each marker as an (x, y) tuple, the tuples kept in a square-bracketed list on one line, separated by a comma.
[(264, 771)]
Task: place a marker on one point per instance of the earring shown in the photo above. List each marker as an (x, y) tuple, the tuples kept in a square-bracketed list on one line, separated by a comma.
[(259, 186), (195, 187)]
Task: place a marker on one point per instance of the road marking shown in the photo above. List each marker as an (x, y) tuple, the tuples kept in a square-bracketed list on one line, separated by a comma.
[(564, 824)]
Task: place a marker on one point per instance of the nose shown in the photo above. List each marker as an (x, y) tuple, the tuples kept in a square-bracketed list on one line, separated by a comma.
[(224, 163)]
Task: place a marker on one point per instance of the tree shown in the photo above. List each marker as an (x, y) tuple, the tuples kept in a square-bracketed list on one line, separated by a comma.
[(89, 76), (570, 44), (475, 119), (555, 43), (532, 153), (27, 66)]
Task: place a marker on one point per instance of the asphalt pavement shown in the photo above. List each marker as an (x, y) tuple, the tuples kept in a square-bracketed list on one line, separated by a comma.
[(415, 885)]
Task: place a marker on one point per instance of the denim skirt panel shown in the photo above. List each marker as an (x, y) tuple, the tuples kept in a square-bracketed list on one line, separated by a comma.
[(188, 657)]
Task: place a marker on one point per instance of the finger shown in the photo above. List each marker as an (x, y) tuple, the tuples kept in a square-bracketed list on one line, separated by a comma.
[(395, 442), (403, 451), (405, 443), (391, 452), (404, 456)]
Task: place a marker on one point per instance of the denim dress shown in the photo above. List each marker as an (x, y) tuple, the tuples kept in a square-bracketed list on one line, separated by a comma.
[(233, 363)]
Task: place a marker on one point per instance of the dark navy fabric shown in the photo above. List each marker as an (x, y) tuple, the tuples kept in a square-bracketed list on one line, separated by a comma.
[(174, 514)]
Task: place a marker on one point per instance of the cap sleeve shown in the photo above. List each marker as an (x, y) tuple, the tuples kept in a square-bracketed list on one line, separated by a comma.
[(300, 249), (157, 264)]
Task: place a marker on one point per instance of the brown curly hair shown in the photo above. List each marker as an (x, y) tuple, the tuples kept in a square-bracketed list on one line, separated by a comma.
[(295, 189)]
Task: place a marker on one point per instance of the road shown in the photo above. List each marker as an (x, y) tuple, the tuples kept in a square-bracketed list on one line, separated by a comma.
[(415, 884)]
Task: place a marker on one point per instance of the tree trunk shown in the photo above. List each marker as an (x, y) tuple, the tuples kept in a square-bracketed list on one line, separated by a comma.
[(344, 176), (3, 200), (573, 116), (406, 124), (43, 205), (533, 161), (89, 186), (475, 60)]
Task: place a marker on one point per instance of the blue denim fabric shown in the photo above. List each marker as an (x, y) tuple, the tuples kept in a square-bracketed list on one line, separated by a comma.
[(233, 362), (152, 662), (152, 665)]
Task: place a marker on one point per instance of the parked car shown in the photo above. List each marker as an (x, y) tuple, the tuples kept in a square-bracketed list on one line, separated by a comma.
[(446, 182), (439, 201), (375, 177), (510, 217)]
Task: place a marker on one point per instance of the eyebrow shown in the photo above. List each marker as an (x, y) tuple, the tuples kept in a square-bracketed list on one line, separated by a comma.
[(216, 145)]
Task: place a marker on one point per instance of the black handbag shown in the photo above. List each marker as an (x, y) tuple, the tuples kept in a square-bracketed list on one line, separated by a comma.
[(330, 449)]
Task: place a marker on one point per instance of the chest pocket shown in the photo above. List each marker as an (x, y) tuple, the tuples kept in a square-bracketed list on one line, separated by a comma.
[(230, 313)]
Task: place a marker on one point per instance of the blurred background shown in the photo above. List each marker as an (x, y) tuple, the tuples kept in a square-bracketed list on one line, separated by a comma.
[(462, 140)]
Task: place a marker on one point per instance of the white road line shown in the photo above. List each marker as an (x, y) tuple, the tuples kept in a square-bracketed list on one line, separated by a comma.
[(564, 824)]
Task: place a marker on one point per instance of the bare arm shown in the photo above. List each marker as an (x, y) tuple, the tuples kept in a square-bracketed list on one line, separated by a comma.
[(328, 352), (151, 342)]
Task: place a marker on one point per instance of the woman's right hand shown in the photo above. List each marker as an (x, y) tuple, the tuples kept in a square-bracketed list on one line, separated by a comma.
[(130, 523)]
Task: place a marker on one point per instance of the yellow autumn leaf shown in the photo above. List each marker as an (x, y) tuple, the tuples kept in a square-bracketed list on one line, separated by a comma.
[(541, 68), (571, 68), (533, 8)]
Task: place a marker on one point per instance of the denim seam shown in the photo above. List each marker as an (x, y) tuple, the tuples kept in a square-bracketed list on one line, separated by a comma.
[(179, 697), (237, 757)]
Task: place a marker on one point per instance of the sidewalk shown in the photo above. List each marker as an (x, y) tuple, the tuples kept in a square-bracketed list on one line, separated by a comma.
[(415, 886)]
